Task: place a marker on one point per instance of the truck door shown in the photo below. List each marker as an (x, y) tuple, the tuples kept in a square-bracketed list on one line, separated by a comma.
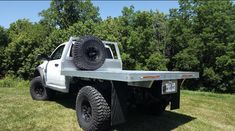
[(53, 76)]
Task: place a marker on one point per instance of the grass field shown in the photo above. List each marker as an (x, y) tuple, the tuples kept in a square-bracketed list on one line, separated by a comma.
[(199, 111)]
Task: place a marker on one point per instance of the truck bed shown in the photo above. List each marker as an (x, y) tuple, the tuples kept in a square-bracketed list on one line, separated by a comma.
[(130, 75), (112, 70)]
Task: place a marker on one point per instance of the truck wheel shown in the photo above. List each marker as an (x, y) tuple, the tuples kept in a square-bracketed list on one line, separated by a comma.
[(88, 53), (93, 112), (38, 91)]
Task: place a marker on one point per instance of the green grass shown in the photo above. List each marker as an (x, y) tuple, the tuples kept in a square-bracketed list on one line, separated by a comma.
[(199, 111)]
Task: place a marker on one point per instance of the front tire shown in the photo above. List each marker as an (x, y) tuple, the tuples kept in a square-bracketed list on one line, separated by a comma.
[(38, 91), (93, 111)]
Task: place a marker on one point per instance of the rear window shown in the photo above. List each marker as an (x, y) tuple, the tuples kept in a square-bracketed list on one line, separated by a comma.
[(71, 49)]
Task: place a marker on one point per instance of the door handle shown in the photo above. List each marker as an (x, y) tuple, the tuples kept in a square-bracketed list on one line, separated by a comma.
[(56, 65)]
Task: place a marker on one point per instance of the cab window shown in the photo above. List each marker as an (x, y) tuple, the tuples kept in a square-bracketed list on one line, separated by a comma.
[(58, 53), (71, 50)]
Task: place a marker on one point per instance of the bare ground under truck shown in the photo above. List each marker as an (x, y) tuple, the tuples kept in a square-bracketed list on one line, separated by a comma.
[(92, 69)]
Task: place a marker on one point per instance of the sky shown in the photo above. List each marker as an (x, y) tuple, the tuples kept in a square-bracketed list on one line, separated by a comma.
[(10, 11)]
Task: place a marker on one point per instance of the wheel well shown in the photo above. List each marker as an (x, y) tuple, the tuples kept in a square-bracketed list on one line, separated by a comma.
[(103, 86)]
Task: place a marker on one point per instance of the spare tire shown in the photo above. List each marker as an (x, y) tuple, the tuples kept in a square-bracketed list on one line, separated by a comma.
[(88, 53)]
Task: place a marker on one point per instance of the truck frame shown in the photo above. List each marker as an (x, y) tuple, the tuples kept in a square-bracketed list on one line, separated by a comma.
[(110, 88)]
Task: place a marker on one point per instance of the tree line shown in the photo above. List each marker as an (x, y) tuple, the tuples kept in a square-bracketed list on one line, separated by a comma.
[(197, 36)]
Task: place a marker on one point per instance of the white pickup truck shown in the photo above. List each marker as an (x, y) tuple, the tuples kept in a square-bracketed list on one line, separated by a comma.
[(92, 69)]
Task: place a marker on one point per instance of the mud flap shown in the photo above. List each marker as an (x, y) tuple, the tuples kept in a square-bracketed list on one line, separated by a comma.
[(175, 101), (118, 102)]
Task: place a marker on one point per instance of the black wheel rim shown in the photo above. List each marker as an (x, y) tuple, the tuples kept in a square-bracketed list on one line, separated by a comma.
[(86, 111), (39, 91), (92, 53)]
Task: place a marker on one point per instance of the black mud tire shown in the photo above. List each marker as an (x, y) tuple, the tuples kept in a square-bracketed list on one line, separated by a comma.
[(38, 91), (88, 53), (93, 111)]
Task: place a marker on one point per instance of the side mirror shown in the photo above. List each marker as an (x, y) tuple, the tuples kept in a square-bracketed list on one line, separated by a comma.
[(43, 57)]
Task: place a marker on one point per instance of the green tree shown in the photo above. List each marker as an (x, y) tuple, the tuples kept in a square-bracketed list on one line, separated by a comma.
[(64, 13), (20, 54), (3, 37), (3, 43), (200, 35), (143, 37)]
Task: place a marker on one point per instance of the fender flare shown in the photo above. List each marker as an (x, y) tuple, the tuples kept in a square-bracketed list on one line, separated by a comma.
[(39, 72)]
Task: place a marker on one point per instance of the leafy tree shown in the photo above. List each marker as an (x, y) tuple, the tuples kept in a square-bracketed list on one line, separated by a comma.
[(142, 38), (200, 32), (3, 43), (225, 65), (20, 54), (180, 32), (64, 13), (3, 37)]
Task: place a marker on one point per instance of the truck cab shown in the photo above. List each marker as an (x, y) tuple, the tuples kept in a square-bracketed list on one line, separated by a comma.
[(51, 68)]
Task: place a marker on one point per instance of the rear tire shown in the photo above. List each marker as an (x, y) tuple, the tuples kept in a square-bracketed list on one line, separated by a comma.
[(93, 111), (89, 53), (38, 91)]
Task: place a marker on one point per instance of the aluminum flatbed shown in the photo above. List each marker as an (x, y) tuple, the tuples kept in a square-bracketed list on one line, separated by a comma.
[(112, 69), (131, 75)]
